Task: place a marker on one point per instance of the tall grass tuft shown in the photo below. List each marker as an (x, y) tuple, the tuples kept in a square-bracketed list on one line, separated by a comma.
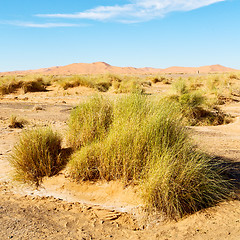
[(184, 183), (89, 122), (147, 144), (37, 154)]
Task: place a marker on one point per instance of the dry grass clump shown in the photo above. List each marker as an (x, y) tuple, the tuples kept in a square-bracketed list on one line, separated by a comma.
[(162, 79), (34, 85), (74, 81), (37, 154), (10, 84), (104, 82), (99, 82), (89, 122), (127, 86), (130, 84), (147, 144), (15, 122)]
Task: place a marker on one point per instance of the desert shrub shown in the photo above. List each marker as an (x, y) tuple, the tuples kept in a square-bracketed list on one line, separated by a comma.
[(35, 85), (234, 76), (128, 86), (147, 144), (10, 84), (89, 121), (184, 183), (16, 122), (98, 82), (180, 86), (75, 81), (37, 154), (103, 86), (156, 79)]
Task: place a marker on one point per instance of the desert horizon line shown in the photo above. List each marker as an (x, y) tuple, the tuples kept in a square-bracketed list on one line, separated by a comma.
[(110, 65)]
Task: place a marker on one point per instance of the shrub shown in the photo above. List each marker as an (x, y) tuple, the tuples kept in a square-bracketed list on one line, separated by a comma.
[(9, 84), (37, 154), (75, 81), (180, 86), (98, 82), (128, 86), (157, 79), (35, 85), (89, 122), (184, 183), (16, 123), (147, 144), (29, 84), (103, 86)]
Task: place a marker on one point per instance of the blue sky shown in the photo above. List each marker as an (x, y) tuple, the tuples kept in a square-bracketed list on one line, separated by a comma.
[(138, 33)]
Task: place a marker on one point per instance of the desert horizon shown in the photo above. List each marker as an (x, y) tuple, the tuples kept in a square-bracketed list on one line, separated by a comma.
[(103, 67)]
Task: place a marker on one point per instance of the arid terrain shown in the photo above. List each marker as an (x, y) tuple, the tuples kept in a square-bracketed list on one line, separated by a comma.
[(102, 68), (63, 209)]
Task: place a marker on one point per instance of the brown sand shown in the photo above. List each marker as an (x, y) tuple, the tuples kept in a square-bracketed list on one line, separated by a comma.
[(103, 68)]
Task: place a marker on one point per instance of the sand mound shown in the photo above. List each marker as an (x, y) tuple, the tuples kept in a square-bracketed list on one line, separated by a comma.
[(205, 69), (103, 68)]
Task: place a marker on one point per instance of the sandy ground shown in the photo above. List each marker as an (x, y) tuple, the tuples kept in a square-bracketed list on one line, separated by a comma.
[(62, 209)]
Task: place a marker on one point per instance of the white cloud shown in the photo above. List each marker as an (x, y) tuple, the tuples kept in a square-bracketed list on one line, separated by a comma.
[(40, 25), (135, 11)]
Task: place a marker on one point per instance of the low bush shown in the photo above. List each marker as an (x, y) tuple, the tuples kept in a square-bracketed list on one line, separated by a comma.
[(16, 122), (156, 79), (128, 86), (10, 84), (35, 85), (37, 154)]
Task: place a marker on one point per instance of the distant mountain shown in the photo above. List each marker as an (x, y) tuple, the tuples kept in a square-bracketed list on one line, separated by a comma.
[(102, 68)]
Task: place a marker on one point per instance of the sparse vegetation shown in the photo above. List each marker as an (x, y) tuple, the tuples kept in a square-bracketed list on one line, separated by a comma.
[(37, 154), (10, 84), (195, 105), (147, 144)]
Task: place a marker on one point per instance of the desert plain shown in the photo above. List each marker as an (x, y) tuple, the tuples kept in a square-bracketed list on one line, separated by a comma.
[(61, 208)]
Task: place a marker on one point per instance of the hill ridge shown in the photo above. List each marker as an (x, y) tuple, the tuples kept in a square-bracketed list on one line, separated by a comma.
[(103, 68)]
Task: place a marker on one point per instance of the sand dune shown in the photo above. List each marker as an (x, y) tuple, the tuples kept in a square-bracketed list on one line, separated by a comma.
[(204, 69), (102, 68)]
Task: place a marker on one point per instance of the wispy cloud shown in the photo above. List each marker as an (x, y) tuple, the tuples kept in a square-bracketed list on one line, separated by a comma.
[(135, 11), (41, 25)]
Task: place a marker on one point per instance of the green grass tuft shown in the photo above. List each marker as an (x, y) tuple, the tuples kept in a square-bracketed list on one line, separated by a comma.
[(37, 154), (89, 122)]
